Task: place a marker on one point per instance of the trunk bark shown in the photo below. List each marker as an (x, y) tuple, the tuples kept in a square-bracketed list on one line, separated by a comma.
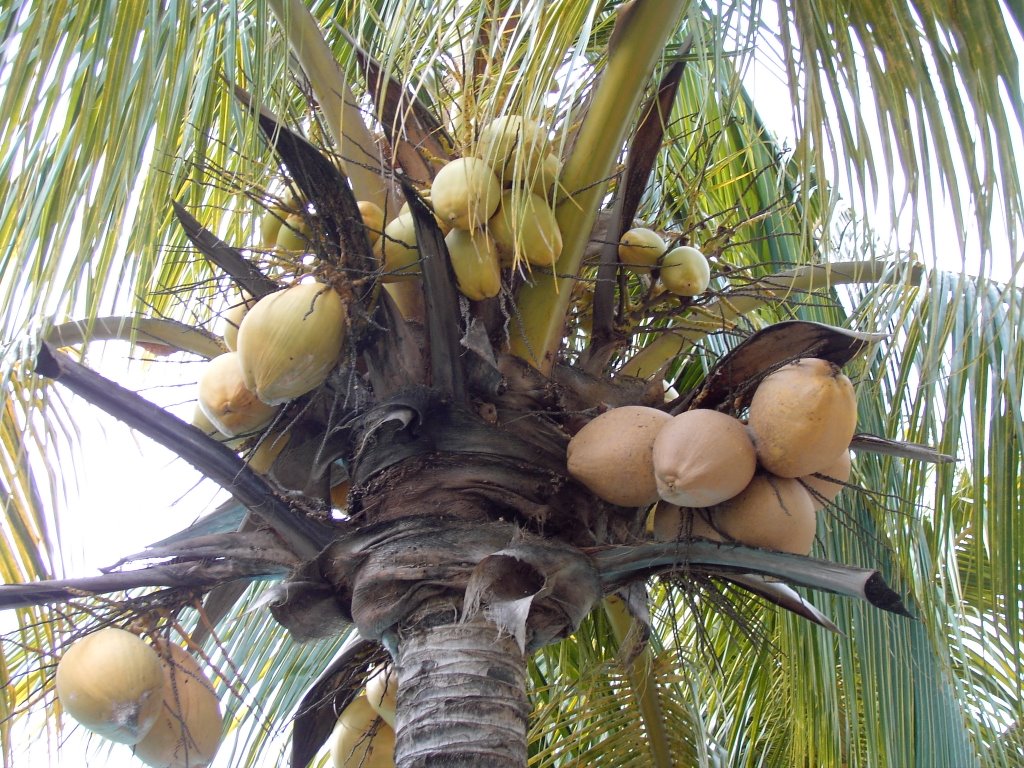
[(461, 696)]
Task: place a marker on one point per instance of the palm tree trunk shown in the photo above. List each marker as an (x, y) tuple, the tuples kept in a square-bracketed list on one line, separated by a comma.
[(461, 696)]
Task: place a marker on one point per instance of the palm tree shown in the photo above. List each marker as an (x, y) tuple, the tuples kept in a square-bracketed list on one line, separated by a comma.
[(527, 618)]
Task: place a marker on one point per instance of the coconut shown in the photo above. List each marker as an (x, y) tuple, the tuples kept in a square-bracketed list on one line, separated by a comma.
[(541, 179), (291, 340), (202, 422), (270, 226), (396, 250), (641, 248), (474, 259), (232, 318), (702, 457), (525, 224), (671, 523), (269, 448), (188, 731), (826, 483), (512, 146), (802, 417), (685, 271), (232, 407), (361, 739), (294, 234), (771, 512), (382, 692), (611, 455), (373, 219), (339, 494), (465, 193), (110, 681)]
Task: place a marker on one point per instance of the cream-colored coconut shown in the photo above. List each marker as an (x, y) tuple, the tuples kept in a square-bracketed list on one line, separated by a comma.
[(641, 248), (294, 234), (270, 226), (269, 448), (202, 422), (826, 483), (512, 146), (685, 271), (611, 455), (373, 219), (232, 318), (772, 512), (291, 340), (465, 193), (361, 739), (671, 523), (396, 250), (231, 406), (110, 681), (474, 259), (543, 178), (703, 457), (382, 692), (188, 731), (802, 417), (524, 224)]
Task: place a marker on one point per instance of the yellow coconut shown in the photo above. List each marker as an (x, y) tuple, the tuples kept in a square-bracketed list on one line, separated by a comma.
[(641, 248), (541, 179), (294, 234), (611, 455), (802, 417), (373, 219), (270, 226), (685, 271), (511, 145), (110, 681), (669, 522), (702, 457), (188, 731), (443, 225), (202, 422), (474, 259), (232, 318), (361, 739), (231, 406), (269, 448), (382, 692), (396, 250), (465, 193), (826, 483), (339, 494), (291, 340), (524, 224), (771, 512)]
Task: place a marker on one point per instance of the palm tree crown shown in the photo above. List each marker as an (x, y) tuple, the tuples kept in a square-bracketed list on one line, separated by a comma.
[(400, 494)]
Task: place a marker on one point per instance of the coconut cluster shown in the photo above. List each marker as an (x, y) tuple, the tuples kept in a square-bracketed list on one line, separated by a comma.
[(364, 736), (683, 270), (759, 483), (285, 345), (156, 699), (493, 206)]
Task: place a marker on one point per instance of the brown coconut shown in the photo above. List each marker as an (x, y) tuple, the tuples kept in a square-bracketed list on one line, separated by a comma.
[(188, 731), (702, 457), (825, 484), (612, 455), (671, 523), (802, 416), (772, 512), (110, 681)]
